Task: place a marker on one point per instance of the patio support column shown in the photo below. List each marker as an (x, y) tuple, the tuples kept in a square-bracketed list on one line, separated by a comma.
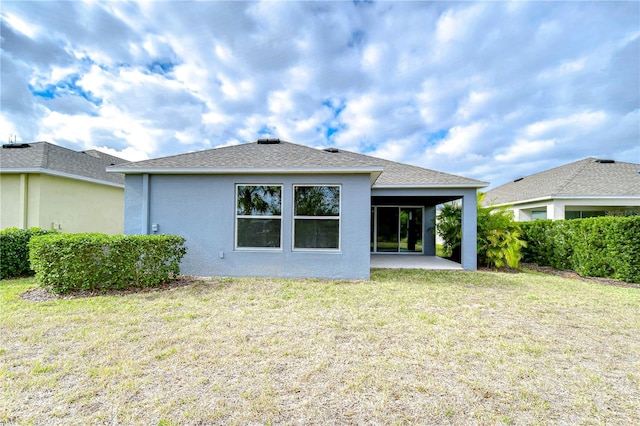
[(469, 231), (429, 239), (24, 201)]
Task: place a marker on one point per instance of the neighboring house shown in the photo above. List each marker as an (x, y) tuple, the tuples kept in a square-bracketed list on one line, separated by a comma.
[(278, 209), (584, 188), (52, 187)]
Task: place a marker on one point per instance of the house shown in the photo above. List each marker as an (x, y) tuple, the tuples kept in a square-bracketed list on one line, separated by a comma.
[(278, 209), (585, 188), (51, 187)]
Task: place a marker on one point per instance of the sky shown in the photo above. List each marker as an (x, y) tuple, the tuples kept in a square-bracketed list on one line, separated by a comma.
[(487, 90)]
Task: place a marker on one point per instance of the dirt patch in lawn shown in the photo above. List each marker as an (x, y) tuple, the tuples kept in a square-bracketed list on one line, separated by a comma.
[(39, 294)]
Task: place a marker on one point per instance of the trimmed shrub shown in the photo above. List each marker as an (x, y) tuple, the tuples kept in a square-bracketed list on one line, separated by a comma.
[(100, 262), (14, 251), (599, 246)]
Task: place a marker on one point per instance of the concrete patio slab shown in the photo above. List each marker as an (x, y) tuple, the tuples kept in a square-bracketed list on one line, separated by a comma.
[(396, 261)]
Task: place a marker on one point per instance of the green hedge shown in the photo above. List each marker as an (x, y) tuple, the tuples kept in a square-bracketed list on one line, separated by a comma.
[(598, 246), (99, 262), (14, 252)]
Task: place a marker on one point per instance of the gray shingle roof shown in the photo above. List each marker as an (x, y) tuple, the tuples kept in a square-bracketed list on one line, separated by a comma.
[(395, 173), (287, 157), (584, 178), (47, 157)]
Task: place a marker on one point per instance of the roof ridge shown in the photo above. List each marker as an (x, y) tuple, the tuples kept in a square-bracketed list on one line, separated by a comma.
[(572, 176), (45, 155), (412, 166)]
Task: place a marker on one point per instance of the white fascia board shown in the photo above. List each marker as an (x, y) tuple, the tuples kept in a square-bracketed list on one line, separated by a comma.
[(60, 174), (552, 198), (431, 186), (600, 197), (516, 203)]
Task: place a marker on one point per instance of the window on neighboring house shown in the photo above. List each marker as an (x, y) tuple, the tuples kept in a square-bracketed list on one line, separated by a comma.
[(538, 214), (258, 216), (580, 214), (316, 217)]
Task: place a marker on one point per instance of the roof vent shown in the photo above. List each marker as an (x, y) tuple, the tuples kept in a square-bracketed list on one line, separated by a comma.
[(16, 145), (604, 161), (518, 180), (332, 150), (268, 141)]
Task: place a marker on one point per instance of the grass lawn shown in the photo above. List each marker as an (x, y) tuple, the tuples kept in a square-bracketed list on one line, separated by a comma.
[(407, 347)]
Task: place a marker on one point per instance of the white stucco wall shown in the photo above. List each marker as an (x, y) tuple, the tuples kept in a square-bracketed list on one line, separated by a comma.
[(556, 208)]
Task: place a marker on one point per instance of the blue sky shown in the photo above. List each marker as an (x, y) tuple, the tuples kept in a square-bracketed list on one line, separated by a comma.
[(488, 90)]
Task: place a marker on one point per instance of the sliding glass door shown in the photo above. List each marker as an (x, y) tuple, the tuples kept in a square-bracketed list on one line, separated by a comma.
[(388, 232), (396, 229)]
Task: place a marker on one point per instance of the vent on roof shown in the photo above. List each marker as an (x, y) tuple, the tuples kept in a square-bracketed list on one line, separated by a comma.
[(268, 141), (331, 150), (16, 145), (605, 161), (518, 180)]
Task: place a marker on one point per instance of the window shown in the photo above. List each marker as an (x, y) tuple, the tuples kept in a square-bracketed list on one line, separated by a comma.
[(538, 214), (316, 217), (580, 214), (258, 216)]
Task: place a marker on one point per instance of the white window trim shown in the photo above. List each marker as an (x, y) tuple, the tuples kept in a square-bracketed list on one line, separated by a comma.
[(237, 216), (293, 222)]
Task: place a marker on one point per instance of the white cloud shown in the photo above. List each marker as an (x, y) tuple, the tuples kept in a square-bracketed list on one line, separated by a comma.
[(9, 131), (523, 149), (578, 123), (372, 57), (473, 105), (461, 140), (129, 153), (235, 89), (24, 26), (396, 150), (565, 68), (487, 90)]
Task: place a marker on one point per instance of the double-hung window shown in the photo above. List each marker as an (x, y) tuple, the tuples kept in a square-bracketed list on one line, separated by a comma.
[(258, 216), (316, 217)]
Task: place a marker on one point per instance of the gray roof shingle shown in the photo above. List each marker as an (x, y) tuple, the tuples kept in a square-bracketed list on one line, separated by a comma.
[(584, 178), (287, 156), (44, 156), (395, 173)]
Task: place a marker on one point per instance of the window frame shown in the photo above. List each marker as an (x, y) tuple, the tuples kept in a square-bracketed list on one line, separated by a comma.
[(301, 217), (265, 217)]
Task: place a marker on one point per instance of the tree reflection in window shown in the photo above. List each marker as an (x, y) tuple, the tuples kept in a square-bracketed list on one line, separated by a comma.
[(259, 200), (317, 217), (258, 216), (317, 201)]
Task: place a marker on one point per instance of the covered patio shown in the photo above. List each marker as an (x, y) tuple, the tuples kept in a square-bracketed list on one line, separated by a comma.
[(396, 261), (403, 226)]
